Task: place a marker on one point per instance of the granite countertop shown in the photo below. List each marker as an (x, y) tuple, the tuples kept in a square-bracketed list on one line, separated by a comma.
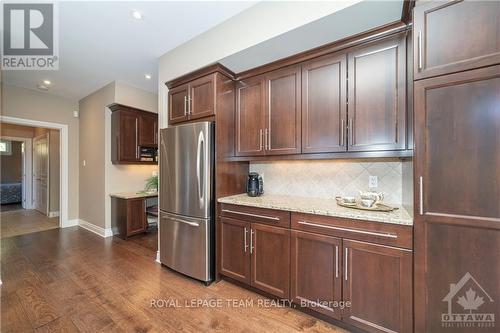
[(318, 206), (134, 195)]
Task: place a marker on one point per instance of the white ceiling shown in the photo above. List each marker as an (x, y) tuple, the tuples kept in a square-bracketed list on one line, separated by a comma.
[(100, 42)]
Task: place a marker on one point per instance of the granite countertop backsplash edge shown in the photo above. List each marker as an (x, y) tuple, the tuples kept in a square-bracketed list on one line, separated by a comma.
[(318, 206)]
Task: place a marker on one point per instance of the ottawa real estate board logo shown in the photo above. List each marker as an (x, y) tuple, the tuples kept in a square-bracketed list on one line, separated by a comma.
[(30, 36), (467, 302)]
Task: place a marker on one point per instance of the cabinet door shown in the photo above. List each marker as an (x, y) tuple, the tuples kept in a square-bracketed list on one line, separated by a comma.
[(378, 281), (270, 247), (316, 272), (377, 96), (128, 136), (457, 221), (283, 112), (324, 104), (178, 104), (250, 117), (148, 130), (136, 216), (455, 36), (202, 97), (235, 249)]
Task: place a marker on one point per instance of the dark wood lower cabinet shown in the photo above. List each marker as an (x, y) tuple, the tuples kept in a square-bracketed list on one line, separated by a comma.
[(363, 283), (377, 280), (270, 247), (316, 272), (128, 216), (235, 254)]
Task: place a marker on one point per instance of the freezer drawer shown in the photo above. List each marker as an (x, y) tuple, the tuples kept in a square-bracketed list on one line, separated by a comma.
[(185, 245)]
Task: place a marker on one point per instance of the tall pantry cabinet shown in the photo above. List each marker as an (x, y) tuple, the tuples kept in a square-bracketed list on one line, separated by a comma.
[(457, 164)]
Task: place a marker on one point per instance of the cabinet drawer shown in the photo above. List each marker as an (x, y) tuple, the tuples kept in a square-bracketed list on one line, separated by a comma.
[(374, 232), (277, 218)]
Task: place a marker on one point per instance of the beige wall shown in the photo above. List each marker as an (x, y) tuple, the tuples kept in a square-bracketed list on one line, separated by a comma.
[(16, 130), (29, 104), (95, 126), (11, 165), (92, 153)]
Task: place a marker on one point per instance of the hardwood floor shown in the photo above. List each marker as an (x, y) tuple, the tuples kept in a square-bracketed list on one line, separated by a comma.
[(70, 280), (20, 222)]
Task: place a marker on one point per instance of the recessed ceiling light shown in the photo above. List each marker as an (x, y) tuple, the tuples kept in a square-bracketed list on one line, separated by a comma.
[(147, 76), (137, 14), (47, 82), (42, 87)]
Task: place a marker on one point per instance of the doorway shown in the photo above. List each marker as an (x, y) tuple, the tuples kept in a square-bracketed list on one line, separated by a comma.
[(36, 205)]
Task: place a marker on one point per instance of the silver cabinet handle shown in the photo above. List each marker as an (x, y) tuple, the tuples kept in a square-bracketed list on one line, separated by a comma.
[(245, 240), (419, 49), (267, 144), (346, 262), (341, 132), (379, 234), (251, 240), (351, 131), (136, 139), (421, 197), (336, 261), (261, 133), (185, 105), (190, 105), (274, 218)]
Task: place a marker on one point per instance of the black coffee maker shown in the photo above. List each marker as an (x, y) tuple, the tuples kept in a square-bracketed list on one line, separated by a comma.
[(255, 186)]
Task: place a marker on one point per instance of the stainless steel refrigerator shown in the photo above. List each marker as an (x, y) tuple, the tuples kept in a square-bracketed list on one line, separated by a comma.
[(186, 199)]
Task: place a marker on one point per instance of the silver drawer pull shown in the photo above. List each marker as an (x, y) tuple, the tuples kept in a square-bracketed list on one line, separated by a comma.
[(274, 218), (350, 230)]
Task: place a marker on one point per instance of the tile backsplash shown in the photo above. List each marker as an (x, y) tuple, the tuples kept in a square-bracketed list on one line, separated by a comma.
[(327, 179)]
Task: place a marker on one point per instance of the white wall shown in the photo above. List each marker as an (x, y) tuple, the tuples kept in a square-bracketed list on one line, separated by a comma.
[(252, 26)]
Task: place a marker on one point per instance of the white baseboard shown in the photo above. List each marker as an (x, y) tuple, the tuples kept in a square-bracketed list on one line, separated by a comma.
[(158, 257), (69, 223), (95, 229), (53, 214)]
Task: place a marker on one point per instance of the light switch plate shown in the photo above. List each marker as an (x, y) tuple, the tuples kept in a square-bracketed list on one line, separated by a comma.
[(372, 181)]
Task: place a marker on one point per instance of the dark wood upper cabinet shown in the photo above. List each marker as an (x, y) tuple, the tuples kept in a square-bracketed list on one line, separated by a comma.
[(132, 129), (178, 104), (235, 249), (324, 104), (270, 269), (377, 96), (201, 99), (148, 130), (316, 272), (282, 131), (250, 103), (125, 131), (455, 36), (378, 281)]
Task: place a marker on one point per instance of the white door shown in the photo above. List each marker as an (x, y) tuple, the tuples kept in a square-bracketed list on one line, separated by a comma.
[(41, 173)]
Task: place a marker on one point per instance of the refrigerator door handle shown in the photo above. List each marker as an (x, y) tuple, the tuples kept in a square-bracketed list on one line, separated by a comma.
[(193, 224), (199, 172)]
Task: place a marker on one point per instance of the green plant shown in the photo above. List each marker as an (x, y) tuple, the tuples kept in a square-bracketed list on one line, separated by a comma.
[(151, 184)]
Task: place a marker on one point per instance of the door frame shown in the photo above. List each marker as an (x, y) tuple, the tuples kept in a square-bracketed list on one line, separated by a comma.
[(27, 199), (64, 160), (47, 203)]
